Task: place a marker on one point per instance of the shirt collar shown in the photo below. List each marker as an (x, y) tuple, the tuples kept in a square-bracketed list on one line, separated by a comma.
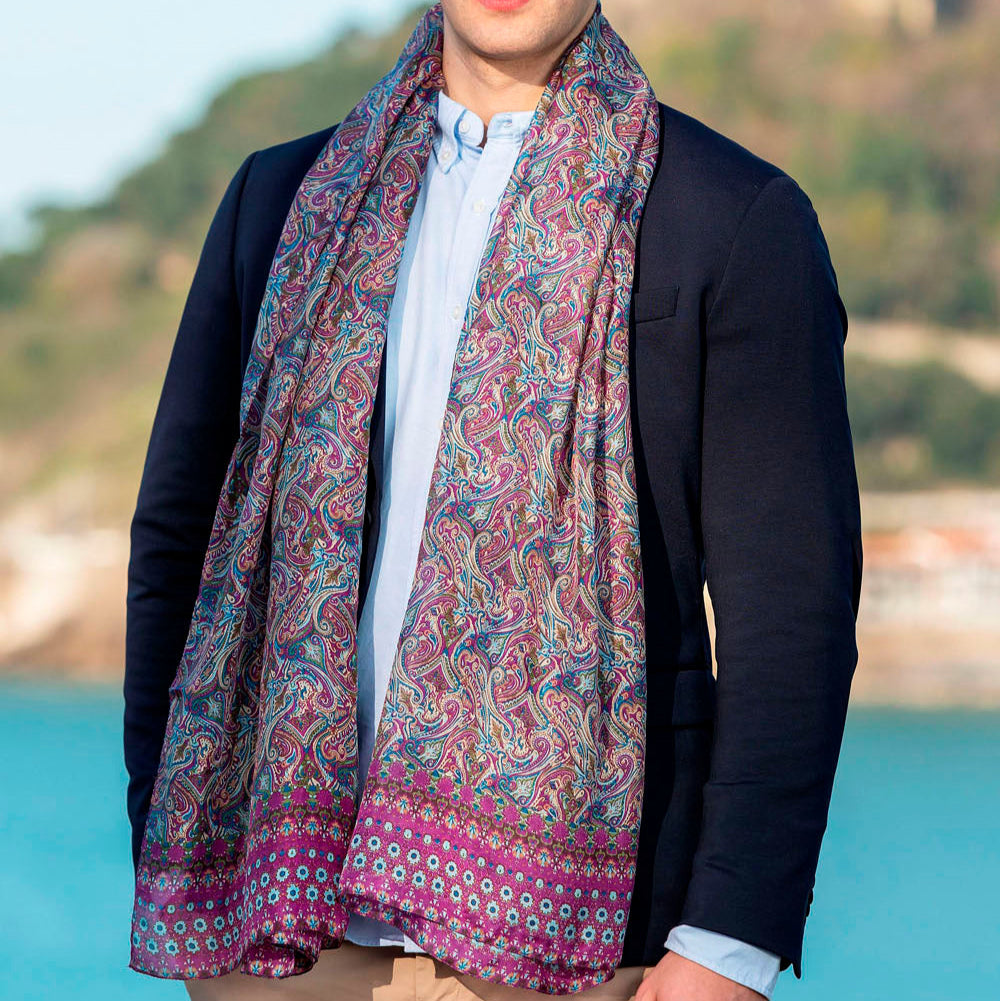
[(459, 130)]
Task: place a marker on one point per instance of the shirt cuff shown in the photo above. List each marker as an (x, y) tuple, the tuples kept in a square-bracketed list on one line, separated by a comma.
[(746, 964)]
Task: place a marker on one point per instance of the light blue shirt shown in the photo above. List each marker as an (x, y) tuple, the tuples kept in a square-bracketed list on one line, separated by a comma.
[(444, 246)]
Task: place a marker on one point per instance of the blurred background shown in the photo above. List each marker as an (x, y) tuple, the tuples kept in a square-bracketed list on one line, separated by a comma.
[(122, 127)]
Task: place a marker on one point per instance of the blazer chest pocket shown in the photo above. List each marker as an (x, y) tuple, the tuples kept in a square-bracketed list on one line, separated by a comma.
[(655, 303)]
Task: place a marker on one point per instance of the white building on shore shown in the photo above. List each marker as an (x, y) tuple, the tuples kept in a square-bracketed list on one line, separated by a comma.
[(918, 17)]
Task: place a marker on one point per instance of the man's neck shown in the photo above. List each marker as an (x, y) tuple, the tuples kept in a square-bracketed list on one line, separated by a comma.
[(490, 86)]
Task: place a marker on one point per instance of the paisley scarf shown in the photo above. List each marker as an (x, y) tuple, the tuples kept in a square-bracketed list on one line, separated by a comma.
[(498, 824)]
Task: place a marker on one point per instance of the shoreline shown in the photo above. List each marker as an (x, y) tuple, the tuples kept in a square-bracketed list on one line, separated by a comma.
[(929, 557)]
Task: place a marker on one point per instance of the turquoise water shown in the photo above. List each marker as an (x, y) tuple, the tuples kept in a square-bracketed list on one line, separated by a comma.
[(907, 892)]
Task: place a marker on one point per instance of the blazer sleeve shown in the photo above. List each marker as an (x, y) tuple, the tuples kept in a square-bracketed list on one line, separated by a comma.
[(194, 430), (781, 533)]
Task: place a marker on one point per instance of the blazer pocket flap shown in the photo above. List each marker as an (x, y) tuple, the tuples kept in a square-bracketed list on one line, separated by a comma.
[(694, 697), (688, 694), (655, 303)]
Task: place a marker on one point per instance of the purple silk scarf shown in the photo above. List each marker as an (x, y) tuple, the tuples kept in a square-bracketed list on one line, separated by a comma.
[(498, 825)]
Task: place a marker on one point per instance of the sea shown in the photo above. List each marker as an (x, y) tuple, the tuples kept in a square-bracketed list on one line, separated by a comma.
[(907, 895)]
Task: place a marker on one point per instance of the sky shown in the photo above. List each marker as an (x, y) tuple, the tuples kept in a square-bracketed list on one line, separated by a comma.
[(93, 89)]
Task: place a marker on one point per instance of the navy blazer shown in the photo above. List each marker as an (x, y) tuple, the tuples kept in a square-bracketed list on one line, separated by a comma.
[(746, 477)]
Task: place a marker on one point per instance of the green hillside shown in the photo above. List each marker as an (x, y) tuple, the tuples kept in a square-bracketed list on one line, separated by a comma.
[(897, 141)]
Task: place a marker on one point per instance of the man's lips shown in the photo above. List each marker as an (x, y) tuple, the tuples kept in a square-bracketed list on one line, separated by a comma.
[(503, 5)]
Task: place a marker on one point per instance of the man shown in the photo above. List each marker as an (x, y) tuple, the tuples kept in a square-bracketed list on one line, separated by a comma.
[(744, 468)]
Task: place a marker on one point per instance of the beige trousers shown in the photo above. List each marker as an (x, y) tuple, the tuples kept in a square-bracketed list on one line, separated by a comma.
[(354, 972)]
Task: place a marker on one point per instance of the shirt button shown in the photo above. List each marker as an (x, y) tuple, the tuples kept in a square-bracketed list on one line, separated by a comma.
[(463, 126), (445, 154), (456, 312), (478, 205)]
